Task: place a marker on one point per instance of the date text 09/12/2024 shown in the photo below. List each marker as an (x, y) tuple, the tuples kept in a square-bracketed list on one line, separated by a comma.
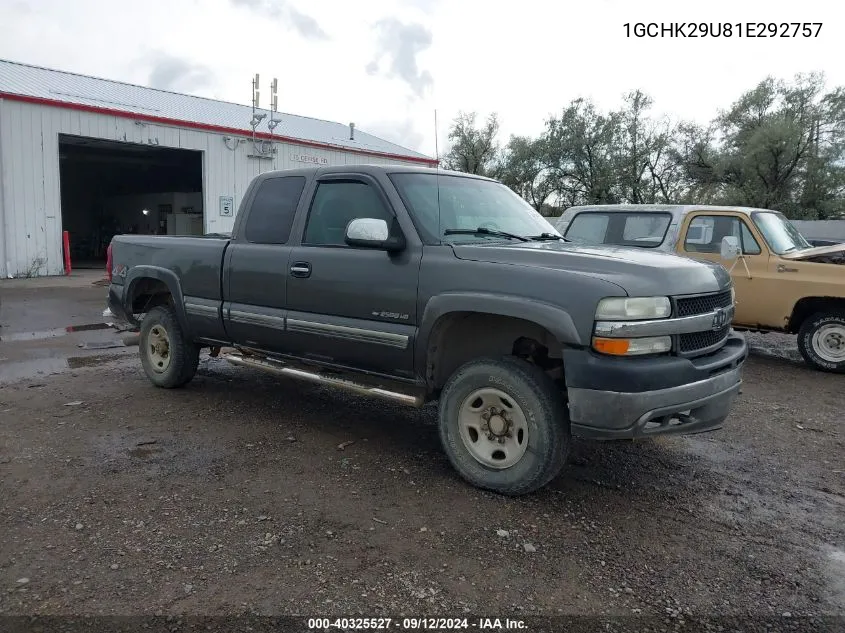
[(415, 624), (722, 29)]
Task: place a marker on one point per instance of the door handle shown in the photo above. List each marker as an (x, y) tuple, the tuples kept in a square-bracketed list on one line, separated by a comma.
[(783, 269), (300, 269)]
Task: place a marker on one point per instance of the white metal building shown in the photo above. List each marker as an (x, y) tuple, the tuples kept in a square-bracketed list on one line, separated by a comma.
[(95, 157)]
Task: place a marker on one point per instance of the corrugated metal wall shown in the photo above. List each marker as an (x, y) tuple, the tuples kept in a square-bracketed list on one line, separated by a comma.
[(30, 201)]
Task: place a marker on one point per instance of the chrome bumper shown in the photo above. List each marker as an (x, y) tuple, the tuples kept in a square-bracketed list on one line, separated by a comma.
[(713, 320), (691, 408)]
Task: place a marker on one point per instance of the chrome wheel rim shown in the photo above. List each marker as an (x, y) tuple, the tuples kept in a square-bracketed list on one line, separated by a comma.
[(493, 428), (158, 349), (829, 342)]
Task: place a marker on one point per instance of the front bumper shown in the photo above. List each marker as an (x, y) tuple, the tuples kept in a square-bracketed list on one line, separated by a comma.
[(665, 395)]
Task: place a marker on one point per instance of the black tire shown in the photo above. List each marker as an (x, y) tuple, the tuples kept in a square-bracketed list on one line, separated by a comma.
[(183, 356), (543, 409), (811, 349)]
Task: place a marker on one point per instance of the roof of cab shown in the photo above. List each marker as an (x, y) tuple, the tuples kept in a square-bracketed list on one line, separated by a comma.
[(369, 169), (674, 209)]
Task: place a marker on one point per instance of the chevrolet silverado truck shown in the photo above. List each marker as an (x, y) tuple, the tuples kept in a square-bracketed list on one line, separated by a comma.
[(783, 283), (420, 285)]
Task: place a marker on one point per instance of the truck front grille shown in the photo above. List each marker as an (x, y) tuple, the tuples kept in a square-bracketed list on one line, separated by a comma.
[(688, 306), (697, 343)]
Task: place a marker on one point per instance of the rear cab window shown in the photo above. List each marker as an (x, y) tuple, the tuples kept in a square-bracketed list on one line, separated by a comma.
[(643, 230), (272, 211)]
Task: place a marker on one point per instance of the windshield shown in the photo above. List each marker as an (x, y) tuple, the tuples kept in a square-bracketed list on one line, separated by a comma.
[(645, 230), (469, 204), (780, 233)]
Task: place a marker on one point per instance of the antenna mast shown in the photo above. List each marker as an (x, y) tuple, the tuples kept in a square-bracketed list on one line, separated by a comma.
[(274, 105), (436, 141), (437, 173), (256, 97)]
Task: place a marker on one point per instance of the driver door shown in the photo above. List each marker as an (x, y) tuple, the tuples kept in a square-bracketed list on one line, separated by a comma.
[(351, 306), (701, 238)]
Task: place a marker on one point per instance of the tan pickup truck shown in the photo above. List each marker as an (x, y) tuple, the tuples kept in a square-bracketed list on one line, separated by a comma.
[(782, 283)]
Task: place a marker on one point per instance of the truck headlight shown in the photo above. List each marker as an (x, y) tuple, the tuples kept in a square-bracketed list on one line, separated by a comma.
[(632, 346), (633, 308)]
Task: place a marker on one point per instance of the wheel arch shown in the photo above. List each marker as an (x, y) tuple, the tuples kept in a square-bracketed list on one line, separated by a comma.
[(450, 327), (149, 286), (808, 306)]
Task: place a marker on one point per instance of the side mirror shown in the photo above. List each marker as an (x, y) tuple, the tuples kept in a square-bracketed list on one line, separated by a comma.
[(730, 247), (373, 233)]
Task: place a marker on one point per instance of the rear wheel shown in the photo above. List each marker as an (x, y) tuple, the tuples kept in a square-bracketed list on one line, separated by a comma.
[(821, 341), (168, 357), (504, 425)]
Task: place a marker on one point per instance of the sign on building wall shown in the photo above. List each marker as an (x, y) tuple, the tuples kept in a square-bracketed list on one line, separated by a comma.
[(316, 160), (226, 206)]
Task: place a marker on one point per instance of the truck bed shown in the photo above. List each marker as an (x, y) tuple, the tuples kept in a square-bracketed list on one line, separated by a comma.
[(197, 261)]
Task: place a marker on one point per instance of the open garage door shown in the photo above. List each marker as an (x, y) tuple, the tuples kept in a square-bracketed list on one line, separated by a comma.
[(110, 188)]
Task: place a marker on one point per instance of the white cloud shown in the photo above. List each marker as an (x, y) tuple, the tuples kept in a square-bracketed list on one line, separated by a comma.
[(303, 23), (176, 74), (400, 44), (525, 60)]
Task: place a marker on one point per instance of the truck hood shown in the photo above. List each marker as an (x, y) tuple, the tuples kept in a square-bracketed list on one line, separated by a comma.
[(640, 272), (807, 253)]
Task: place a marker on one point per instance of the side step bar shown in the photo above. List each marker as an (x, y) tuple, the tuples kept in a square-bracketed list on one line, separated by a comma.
[(312, 376)]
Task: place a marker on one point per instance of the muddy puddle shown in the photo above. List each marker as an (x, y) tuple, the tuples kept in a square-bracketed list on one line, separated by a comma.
[(10, 337), (14, 371)]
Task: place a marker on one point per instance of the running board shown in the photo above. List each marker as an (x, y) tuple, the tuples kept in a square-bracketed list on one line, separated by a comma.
[(312, 376)]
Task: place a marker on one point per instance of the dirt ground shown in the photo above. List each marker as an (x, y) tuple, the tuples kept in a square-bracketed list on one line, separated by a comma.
[(244, 493)]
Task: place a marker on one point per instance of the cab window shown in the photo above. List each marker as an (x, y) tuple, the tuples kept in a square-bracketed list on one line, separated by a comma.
[(621, 228), (705, 233)]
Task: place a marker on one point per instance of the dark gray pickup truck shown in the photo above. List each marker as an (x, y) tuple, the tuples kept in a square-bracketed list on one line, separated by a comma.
[(417, 285)]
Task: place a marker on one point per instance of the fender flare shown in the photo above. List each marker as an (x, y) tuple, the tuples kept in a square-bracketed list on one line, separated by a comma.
[(551, 317), (168, 277)]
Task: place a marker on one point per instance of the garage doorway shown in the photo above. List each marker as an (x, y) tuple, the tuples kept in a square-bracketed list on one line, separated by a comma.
[(110, 188)]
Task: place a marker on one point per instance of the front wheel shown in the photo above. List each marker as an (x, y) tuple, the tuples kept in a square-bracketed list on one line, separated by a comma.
[(821, 341), (504, 425), (168, 357)]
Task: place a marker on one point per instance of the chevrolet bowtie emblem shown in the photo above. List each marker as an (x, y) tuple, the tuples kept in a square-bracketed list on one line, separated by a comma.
[(720, 319)]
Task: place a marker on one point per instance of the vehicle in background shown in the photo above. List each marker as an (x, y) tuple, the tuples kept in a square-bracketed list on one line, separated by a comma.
[(416, 285), (822, 232), (782, 282)]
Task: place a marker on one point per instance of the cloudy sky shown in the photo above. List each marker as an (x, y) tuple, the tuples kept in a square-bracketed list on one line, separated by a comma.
[(388, 64)]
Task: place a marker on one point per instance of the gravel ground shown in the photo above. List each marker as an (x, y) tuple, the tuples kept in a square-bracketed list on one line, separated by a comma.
[(246, 494)]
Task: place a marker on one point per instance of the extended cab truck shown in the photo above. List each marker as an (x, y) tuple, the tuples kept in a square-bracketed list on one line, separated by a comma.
[(782, 283), (416, 285)]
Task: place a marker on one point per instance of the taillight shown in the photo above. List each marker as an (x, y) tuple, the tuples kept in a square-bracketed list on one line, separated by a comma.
[(108, 263)]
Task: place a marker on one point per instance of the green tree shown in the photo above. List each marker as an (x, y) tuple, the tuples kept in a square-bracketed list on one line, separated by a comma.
[(646, 170), (524, 169), (783, 147), (473, 148), (580, 154)]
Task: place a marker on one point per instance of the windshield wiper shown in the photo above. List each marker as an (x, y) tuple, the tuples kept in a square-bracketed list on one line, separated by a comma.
[(485, 231), (547, 236)]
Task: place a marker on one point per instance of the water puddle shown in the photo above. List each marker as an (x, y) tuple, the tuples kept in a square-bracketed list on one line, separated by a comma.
[(25, 369), (52, 333), (836, 571), (20, 370)]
